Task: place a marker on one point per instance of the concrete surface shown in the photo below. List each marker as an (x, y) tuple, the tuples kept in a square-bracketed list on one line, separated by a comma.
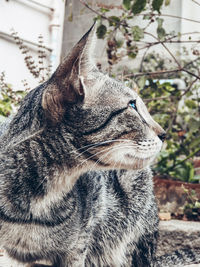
[(176, 234)]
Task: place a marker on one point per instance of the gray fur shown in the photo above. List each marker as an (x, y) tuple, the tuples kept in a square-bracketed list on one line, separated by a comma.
[(75, 186)]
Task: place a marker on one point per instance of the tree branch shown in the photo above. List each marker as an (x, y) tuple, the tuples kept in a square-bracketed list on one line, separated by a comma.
[(152, 73), (196, 2), (162, 43), (170, 16)]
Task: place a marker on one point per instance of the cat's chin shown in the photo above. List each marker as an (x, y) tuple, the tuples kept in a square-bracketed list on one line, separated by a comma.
[(130, 163), (127, 161), (137, 163)]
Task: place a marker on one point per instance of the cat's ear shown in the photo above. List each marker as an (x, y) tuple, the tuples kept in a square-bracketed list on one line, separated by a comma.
[(66, 86)]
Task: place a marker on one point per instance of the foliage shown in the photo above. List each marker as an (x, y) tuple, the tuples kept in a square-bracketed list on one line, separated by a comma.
[(191, 209), (9, 98), (178, 111), (123, 24), (36, 67)]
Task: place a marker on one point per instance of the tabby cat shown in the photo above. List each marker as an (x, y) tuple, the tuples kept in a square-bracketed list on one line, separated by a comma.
[(75, 186)]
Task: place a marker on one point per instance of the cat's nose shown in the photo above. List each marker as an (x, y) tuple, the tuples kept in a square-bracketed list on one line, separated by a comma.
[(162, 136)]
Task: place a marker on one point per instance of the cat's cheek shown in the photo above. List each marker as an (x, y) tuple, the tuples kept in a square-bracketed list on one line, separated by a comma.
[(134, 156)]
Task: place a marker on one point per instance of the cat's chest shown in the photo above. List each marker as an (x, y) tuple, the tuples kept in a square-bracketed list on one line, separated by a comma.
[(111, 246)]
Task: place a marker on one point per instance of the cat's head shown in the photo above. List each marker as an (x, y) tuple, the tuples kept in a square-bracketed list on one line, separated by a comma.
[(109, 122)]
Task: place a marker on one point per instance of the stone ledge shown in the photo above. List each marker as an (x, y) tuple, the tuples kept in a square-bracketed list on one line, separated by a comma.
[(175, 234)]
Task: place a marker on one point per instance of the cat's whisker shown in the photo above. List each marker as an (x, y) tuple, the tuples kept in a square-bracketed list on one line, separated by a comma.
[(99, 160), (99, 152), (93, 156), (104, 150), (103, 142), (109, 151), (99, 144), (112, 149)]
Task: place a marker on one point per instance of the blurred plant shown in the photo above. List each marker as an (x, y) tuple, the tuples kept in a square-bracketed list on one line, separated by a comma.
[(191, 209), (176, 109), (178, 112), (9, 99), (37, 68)]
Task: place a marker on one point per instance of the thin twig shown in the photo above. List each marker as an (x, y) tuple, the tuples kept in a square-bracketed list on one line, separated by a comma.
[(180, 68), (93, 10), (99, 14), (188, 89), (152, 14), (158, 98), (151, 73), (182, 161), (150, 34), (170, 16), (192, 74), (109, 6), (142, 61), (196, 2)]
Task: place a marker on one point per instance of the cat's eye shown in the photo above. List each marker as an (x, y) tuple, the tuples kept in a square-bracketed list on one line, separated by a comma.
[(132, 103)]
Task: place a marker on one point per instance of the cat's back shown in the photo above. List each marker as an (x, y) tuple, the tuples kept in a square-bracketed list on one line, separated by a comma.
[(28, 120)]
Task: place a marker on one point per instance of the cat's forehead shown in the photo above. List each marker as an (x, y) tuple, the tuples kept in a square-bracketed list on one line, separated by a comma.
[(119, 87), (111, 91)]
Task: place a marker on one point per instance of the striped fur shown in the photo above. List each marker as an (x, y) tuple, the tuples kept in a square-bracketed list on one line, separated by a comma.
[(75, 186)]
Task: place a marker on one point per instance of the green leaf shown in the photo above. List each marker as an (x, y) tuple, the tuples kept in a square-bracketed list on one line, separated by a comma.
[(160, 30), (160, 22), (101, 31), (193, 125), (127, 4), (157, 5), (167, 2), (119, 43), (197, 204), (70, 17), (190, 103), (104, 10), (113, 20), (141, 82), (147, 17), (191, 172), (138, 6), (161, 33), (195, 143), (137, 33), (132, 51)]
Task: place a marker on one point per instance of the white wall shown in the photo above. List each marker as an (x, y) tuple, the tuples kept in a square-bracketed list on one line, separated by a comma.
[(30, 20)]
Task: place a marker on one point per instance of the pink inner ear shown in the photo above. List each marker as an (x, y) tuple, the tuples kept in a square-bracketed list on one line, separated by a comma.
[(81, 90)]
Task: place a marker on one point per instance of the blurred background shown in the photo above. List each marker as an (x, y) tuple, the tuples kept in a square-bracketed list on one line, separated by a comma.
[(56, 25)]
